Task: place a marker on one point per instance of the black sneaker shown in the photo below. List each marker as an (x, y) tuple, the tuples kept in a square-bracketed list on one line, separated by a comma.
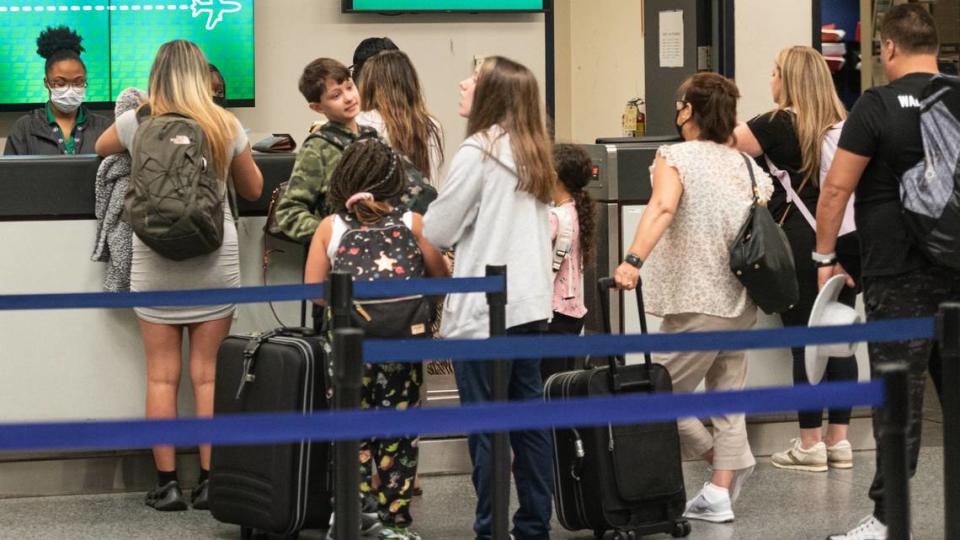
[(166, 498), (199, 497)]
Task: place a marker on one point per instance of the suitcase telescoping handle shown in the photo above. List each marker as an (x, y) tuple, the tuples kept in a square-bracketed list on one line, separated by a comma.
[(604, 286)]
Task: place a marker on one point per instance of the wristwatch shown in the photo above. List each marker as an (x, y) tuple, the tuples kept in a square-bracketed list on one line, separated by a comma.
[(633, 260), (821, 260)]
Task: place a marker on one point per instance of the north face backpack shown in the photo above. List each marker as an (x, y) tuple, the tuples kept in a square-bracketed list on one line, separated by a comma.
[(385, 250), (930, 191), (175, 200)]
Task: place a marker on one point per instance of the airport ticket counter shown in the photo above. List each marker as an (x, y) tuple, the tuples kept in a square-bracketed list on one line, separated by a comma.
[(87, 364)]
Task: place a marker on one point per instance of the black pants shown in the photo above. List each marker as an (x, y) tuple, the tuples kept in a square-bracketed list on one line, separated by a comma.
[(915, 294), (803, 242), (561, 324)]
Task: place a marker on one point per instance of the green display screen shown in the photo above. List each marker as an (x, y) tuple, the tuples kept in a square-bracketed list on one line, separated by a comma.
[(443, 5), (121, 38)]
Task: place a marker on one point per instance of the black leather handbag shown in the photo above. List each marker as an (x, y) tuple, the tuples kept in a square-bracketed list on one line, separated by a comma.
[(761, 258)]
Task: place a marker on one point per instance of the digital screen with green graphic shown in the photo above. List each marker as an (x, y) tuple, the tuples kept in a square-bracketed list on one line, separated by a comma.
[(120, 38), (387, 6)]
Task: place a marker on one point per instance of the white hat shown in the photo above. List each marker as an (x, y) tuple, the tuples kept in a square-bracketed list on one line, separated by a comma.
[(827, 311)]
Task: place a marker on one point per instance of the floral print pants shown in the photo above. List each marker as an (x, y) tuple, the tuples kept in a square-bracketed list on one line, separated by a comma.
[(390, 386)]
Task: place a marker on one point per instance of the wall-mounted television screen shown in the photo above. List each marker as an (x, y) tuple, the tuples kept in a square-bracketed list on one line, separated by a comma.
[(120, 38), (448, 6)]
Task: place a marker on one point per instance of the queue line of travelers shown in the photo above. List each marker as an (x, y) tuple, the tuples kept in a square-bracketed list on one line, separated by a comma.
[(494, 208)]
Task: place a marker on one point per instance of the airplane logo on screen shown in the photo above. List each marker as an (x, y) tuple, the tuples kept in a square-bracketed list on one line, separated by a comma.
[(214, 9)]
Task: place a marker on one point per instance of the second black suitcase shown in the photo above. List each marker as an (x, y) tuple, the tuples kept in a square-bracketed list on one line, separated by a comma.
[(276, 488), (624, 478)]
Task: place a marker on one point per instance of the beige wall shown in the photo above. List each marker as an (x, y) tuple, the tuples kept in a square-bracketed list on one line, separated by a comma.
[(763, 27), (599, 56), (290, 33)]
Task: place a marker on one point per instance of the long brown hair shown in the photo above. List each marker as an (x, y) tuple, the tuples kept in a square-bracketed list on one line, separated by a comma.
[(391, 87), (806, 88), (180, 83), (507, 95)]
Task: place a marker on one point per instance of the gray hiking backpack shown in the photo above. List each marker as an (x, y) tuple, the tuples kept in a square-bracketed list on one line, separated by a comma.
[(175, 200), (930, 191)]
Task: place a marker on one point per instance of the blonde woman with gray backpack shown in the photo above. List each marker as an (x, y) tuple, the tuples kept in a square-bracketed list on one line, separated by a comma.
[(184, 148)]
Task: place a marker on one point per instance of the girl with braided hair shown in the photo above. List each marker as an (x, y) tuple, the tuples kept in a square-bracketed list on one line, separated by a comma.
[(572, 225), (63, 125), (370, 239)]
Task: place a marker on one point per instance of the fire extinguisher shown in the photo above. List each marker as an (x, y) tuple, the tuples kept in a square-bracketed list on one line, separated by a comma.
[(635, 118)]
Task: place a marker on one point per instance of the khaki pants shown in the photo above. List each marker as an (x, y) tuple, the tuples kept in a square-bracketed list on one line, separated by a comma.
[(721, 370)]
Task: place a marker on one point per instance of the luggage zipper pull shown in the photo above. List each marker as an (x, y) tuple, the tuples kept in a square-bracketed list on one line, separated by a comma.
[(362, 312), (579, 453), (610, 436)]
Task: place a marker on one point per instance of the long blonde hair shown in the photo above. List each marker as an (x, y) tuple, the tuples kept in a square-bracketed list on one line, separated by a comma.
[(507, 95), (391, 87), (180, 83), (806, 88)]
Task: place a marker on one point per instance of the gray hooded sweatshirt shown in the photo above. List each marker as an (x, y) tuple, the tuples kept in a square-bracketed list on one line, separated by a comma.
[(480, 213)]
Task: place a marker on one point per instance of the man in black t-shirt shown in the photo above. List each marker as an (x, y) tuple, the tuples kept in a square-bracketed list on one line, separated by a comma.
[(880, 141)]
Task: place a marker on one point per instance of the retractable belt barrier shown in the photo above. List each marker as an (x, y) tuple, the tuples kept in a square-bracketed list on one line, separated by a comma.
[(247, 295), (343, 426), (364, 424)]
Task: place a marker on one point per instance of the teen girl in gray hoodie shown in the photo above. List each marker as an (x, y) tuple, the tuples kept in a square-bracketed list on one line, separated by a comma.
[(493, 210)]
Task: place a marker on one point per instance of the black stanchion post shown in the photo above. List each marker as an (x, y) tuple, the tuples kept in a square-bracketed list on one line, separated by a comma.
[(347, 351), (893, 449), (347, 377), (497, 301), (340, 296), (948, 341)]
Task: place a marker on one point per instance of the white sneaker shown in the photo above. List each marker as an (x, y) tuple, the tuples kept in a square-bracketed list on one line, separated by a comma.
[(869, 528), (813, 459), (840, 455), (370, 524), (739, 477), (711, 504)]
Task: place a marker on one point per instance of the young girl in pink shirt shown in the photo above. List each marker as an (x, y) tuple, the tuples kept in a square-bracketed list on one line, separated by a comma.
[(572, 232)]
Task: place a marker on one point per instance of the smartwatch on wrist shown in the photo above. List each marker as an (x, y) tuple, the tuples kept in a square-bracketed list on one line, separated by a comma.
[(820, 259), (633, 260)]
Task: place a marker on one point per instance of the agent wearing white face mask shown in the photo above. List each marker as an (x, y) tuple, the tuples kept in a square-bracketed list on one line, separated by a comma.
[(63, 125)]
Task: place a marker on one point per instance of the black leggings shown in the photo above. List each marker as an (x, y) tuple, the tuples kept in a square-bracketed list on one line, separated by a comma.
[(802, 242), (561, 324)]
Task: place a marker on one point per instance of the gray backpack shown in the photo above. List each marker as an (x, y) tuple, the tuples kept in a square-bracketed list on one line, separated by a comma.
[(930, 190), (175, 200)]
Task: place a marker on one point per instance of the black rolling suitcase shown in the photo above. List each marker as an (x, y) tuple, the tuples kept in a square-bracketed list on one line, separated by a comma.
[(627, 479), (279, 488)]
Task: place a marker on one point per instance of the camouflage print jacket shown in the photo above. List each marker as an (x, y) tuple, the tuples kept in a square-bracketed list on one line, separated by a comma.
[(303, 205)]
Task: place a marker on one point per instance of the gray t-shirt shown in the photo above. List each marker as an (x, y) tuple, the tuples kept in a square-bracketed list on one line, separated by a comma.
[(127, 127)]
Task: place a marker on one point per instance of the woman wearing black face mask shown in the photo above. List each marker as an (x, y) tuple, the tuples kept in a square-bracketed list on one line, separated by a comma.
[(701, 196), (219, 85), (63, 125)]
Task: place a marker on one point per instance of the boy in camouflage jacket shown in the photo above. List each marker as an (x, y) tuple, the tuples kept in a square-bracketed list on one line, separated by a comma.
[(329, 90)]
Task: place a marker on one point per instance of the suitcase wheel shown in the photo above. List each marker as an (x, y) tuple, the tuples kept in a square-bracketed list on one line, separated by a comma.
[(681, 529), (625, 535), (246, 532), (598, 534)]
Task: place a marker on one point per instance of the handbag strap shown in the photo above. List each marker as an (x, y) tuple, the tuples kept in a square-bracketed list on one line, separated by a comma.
[(753, 180)]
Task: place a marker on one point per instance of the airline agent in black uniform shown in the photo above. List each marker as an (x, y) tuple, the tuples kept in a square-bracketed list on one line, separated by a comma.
[(63, 125)]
